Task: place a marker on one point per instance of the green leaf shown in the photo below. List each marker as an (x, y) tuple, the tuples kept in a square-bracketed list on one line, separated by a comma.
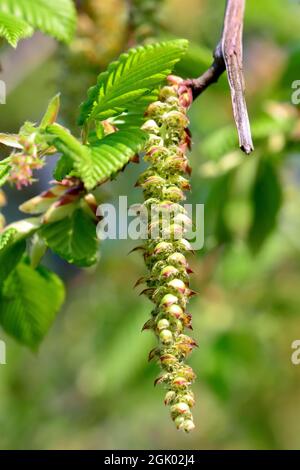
[(4, 174), (12, 28), (6, 237), (109, 156), (73, 238), (13, 244), (55, 17), (10, 252), (29, 301), (63, 167), (267, 200), (127, 80), (95, 164)]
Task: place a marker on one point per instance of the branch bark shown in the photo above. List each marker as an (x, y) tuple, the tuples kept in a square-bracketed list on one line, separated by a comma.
[(228, 56)]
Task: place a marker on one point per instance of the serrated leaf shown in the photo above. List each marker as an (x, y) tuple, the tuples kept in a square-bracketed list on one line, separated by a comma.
[(10, 254), (134, 75), (109, 156), (63, 167), (55, 17), (95, 164), (7, 237), (73, 238), (13, 244), (29, 302), (12, 28)]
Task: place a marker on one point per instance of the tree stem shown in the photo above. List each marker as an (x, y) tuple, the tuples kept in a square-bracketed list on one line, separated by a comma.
[(228, 56)]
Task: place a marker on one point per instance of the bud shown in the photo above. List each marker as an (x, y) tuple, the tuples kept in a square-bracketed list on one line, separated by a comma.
[(168, 360), (58, 212), (184, 245), (185, 96), (177, 285), (173, 101), (180, 382), (156, 109), (182, 183), (188, 425), (168, 300), (37, 250), (163, 247), (169, 271), (153, 140), (169, 397), (175, 311), (153, 181), (183, 220), (163, 324), (166, 336), (173, 193), (188, 373), (179, 422), (178, 259), (168, 92), (41, 203), (189, 399), (176, 119), (185, 344), (175, 231), (174, 80), (176, 163), (151, 127), (180, 408)]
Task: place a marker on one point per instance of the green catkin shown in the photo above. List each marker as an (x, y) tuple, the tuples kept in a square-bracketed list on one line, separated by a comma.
[(163, 184)]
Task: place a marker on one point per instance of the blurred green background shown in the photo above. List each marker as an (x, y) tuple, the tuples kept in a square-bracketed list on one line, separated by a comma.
[(90, 386)]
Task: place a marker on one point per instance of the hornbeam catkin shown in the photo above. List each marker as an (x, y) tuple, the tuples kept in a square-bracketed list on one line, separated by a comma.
[(164, 183)]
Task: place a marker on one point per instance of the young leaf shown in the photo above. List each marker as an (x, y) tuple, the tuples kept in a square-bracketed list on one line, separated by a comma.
[(6, 237), (109, 156), (55, 17), (95, 164), (10, 257), (12, 28), (63, 167), (29, 301), (10, 140), (73, 238), (127, 80), (51, 112)]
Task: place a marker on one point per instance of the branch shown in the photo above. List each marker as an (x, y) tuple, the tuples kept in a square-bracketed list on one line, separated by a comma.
[(228, 56)]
